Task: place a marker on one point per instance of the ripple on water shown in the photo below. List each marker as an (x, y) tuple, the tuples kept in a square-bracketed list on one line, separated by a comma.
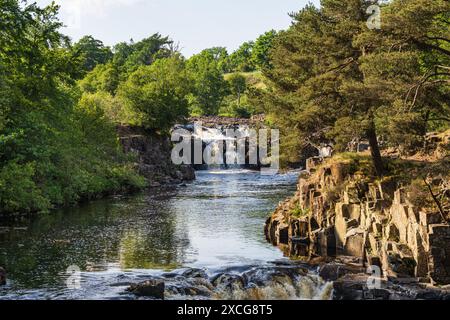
[(215, 222)]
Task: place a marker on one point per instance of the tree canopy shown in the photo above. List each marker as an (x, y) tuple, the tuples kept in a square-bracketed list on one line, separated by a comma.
[(51, 153), (334, 80), (209, 87), (92, 52), (155, 96), (262, 49)]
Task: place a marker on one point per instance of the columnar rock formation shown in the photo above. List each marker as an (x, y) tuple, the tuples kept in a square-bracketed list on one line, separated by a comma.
[(339, 211)]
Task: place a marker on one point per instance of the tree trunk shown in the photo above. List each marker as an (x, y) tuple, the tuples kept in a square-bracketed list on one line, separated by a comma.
[(375, 151)]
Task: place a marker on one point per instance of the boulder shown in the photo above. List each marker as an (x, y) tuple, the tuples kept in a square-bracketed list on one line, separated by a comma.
[(373, 244), (334, 271), (340, 230), (374, 221), (392, 233), (282, 234), (298, 228), (427, 218), (349, 287), (327, 242), (413, 215), (153, 156), (351, 195), (349, 211), (377, 229), (375, 192), (402, 266), (150, 288), (400, 197)]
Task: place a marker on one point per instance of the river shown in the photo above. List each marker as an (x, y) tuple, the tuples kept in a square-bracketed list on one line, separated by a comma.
[(212, 224)]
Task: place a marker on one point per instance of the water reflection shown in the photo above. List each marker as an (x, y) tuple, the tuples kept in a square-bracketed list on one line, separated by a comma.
[(213, 222)]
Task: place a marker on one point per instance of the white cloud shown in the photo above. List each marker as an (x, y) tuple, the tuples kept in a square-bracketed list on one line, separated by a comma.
[(75, 10)]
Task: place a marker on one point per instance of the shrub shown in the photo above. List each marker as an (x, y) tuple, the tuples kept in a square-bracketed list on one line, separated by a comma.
[(18, 191)]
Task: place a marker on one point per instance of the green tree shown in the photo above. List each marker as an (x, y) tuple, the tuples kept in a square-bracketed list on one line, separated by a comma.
[(242, 59), (108, 108), (127, 57), (155, 96), (331, 73), (262, 49), (146, 51), (105, 77), (220, 56), (51, 154), (92, 51), (208, 84), (238, 85), (407, 64)]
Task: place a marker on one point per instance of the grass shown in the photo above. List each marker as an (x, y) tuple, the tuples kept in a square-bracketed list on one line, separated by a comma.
[(255, 79), (298, 212)]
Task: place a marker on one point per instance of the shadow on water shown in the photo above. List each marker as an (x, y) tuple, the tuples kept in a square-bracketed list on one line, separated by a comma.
[(215, 222), (132, 233)]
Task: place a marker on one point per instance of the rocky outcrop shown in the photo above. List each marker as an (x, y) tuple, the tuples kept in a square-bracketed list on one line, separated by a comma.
[(150, 288), (355, 287), (268, 282), (338, 211), (153, 155)]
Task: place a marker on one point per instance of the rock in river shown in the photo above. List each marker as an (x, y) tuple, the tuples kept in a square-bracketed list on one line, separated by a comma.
[(150, 288)]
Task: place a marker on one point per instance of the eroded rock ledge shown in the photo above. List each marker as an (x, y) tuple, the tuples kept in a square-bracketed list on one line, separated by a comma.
[(339, 211), (153, 155)]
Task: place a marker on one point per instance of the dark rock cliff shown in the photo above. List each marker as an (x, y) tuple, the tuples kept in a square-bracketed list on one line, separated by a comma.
[(153, 154)]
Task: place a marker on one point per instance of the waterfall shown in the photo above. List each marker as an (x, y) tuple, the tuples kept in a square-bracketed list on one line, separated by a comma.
[(220, 146), (254, 283)]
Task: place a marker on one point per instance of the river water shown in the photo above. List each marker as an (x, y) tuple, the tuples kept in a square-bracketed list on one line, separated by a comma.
[(214, 224)]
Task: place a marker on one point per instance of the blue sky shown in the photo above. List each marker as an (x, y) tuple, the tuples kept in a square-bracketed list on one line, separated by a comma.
[(195, 24)]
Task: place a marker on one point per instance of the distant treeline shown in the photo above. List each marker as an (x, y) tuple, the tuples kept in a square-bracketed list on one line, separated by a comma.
[(209, 83)]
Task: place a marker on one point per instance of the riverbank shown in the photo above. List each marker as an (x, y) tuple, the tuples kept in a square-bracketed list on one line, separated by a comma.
[(392, 224), (145, 162)]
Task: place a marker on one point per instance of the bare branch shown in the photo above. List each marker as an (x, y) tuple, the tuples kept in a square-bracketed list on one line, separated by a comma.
[(436, 200)]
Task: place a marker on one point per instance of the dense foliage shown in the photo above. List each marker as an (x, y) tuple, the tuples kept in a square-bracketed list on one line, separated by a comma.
[(60, 104), (206, 71), (156, 95), (92, 52), (54, 149), (334, 80)]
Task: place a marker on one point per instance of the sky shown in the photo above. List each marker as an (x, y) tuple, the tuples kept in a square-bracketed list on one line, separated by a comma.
[(194, 24)]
